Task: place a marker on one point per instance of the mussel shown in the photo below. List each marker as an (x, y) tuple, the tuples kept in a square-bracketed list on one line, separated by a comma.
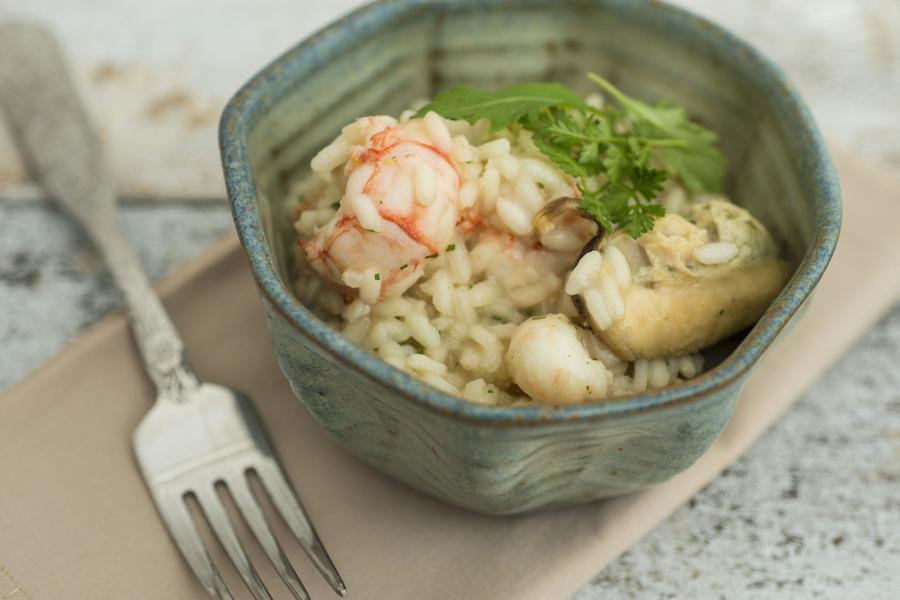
[(691, 281)]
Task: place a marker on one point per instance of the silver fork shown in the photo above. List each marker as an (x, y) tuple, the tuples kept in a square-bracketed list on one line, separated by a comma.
[(198, 437)]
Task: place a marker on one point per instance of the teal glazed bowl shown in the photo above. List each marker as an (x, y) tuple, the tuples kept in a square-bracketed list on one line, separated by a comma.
[(383, 56)]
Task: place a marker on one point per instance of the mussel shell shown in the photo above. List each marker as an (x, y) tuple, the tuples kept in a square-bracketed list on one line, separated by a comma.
[(592, 244)]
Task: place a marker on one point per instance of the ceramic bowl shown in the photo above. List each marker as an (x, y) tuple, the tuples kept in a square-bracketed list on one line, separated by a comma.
[(383, 56)]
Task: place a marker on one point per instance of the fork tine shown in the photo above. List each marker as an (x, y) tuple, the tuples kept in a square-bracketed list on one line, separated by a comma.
[(287, 503), (180, 524), (218, 520), (253, 515)]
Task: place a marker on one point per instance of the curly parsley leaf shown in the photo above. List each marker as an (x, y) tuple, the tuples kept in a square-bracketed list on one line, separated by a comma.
[(501, 107), (691, 154)]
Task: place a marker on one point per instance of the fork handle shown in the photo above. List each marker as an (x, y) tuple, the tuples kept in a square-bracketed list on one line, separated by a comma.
[(65, 155), (157, 339)]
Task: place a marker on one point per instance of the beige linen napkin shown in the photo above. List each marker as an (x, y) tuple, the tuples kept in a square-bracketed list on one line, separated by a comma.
[(76, 522)]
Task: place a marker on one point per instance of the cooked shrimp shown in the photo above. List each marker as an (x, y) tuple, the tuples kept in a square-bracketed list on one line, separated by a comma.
[(547, 358), (400, 205)]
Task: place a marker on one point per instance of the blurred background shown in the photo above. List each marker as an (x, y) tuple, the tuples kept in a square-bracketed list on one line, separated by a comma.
[(812, 511)]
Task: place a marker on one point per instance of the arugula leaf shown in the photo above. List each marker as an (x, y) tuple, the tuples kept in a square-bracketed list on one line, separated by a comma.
[(501, 107)]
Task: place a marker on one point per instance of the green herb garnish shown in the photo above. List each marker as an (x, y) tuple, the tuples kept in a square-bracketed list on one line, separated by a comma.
[(335, 205), (450, 248), (500, 107), (377, 276), (434, 255), (403, 267), (631, 147)]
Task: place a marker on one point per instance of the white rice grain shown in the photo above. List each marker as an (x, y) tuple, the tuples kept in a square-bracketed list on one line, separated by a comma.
[(594, 100), (370, 286), (514, 216), (527, 144), (612, 297), (355, 310), (478, 391), (715, 253), (675, 201), (462, 149), (508, 166), (596, 307), (561, 239), (387, 349), (658, 373), (618, 264), (462, 308), (331, 156), (641, 373), (305, 226), (440, 293), (437, 130), (425, 364), (397, 362), (468, 194), (366, 213), (389, 329), (621, 385), (582, 276), (442, 323), (470, 357), (529, 194), (470, 171), (687, 366), (425, 183), (393, 307), (503, 331), (600, 351), (325, 214), (493, 348), (440, 383), (489, 188), (495, 149), (422, 330), (483, 293), (543, 172), (674, 365), (502, 312), (458, 258), (531, 295)]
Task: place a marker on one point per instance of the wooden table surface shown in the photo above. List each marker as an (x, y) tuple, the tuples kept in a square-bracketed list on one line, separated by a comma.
[(812, 511)]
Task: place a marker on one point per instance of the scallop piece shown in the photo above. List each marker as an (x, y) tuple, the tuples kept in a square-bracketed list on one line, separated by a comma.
[(548, 360), (694, 280)]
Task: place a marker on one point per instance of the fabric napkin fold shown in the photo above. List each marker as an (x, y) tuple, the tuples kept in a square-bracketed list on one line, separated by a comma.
[(77, 523)]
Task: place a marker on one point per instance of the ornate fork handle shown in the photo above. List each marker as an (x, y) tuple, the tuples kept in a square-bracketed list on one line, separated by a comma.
[(64, 153), (157, 339)]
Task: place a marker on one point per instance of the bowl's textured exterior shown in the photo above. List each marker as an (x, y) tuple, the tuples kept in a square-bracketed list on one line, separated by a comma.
[(379, 59)]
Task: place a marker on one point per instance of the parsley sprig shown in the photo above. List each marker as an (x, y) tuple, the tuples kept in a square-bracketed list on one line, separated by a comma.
[(630, 147)]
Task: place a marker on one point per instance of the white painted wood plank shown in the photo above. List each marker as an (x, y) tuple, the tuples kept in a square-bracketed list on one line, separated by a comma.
[(156, 74)]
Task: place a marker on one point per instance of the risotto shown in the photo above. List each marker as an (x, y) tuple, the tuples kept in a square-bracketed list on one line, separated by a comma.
[(464, 254)]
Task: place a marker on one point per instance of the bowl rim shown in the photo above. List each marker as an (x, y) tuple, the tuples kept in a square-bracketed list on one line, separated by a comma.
[(315, 51)]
